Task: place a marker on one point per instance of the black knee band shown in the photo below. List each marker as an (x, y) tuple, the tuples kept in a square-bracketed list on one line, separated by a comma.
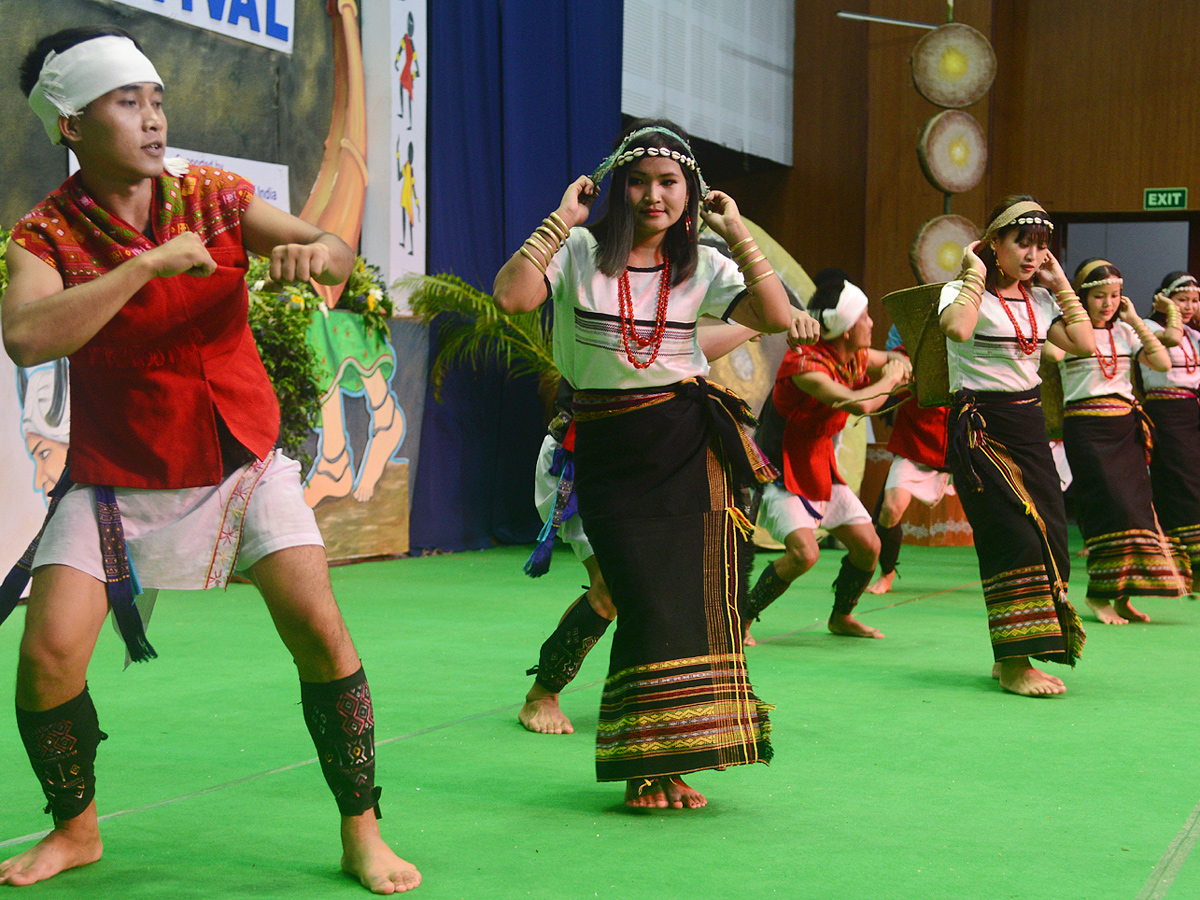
[(765, 591), (848, 587), (61, 744), (890, 540), (564, 651), (342, 724)]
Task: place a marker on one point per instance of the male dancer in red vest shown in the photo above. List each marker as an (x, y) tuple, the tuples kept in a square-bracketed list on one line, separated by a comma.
[(135, 270)]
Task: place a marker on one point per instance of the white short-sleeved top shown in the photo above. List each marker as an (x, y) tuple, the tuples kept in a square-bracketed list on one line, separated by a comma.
[(1185, 365), (990, 359), (588, 348), (1082, 376)]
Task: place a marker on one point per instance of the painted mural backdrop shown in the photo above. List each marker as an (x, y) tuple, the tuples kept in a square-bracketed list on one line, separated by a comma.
[(370, 367)]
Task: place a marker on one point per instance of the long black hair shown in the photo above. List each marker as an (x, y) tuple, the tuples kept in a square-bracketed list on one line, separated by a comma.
[(613, 231)]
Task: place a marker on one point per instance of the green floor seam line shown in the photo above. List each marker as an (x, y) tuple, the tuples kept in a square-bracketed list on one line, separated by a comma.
[(276, 771), (1168, 867), (875, 609)]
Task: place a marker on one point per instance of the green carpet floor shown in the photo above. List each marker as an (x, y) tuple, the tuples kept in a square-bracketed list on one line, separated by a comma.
[(901, 770)]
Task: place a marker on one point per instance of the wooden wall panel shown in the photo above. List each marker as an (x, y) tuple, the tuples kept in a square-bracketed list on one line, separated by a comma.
[(814, 209), (898, 198), (1096, 100)]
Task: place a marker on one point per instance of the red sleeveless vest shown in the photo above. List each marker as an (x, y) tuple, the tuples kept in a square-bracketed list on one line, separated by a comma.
[(145, 387), (809, 461)]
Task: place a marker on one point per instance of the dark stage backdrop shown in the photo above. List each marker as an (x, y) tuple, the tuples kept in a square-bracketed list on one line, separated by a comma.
[(520, 104)]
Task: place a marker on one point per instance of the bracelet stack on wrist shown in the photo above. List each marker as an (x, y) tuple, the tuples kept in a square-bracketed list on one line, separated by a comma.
[(1174, 317), (545, 241), (971, 290), (747, 255), (1072, 310), (1148, 338)]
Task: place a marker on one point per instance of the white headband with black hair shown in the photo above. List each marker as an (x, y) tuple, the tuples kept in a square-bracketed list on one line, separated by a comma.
[(1183, 281), (837, 320), (623, 155), (71, 80)]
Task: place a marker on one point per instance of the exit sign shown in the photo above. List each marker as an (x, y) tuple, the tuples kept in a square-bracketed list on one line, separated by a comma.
[(1164, 198)]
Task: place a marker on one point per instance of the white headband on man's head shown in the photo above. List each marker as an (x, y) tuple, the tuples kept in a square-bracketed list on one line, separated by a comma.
[(71, 80), (852, 303)]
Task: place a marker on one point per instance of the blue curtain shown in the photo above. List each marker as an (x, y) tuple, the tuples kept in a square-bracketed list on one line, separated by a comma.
[(523, 98)]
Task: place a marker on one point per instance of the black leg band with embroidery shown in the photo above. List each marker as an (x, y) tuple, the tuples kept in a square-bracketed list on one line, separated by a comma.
[(61, 744), (848, 587), (342, 724), (890, 540), (766, 591), (564, 651)]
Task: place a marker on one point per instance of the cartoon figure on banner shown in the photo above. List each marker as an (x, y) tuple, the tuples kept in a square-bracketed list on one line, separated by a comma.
[(356, 359), (45, 421), (409, 72), (408, 198)]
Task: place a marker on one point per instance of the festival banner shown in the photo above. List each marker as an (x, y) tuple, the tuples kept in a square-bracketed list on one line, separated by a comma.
[(267, 23), (270, 180)]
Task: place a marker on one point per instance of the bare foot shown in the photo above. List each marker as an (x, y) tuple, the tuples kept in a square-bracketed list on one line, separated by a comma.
[(366, 857), (385, 440), (641, 793), (680, 795), (849, 626), (661, 793), (882, 584), (1018, 676), (541, 714), (1126, 610), (73, 843), (330, 478), (747, 638), (1105, 613)]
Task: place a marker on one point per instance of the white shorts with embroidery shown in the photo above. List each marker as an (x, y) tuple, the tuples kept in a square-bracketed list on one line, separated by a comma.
[(782, 512), (925, 484), (190, 538)]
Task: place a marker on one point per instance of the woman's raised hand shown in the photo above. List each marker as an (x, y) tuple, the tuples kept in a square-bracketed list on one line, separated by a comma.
[(1052, 275), (971, 260), (577, 202), (720, 213)]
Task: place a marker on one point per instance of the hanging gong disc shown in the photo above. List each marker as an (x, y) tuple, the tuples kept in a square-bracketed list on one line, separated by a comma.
[(953, 66), (952, 151), (936, 254)]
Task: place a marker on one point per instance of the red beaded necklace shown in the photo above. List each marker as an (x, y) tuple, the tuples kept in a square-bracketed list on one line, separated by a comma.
[(629, 327), (1104, 364), (1189, 365), (1026, 345)]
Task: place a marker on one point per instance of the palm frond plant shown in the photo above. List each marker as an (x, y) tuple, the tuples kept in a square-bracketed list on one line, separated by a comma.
[(473, 332)]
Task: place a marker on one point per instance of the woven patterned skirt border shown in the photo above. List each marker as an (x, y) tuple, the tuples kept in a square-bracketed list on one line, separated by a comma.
[(1128, 556), (658, 505), (1010, 493), (1174, 473)]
